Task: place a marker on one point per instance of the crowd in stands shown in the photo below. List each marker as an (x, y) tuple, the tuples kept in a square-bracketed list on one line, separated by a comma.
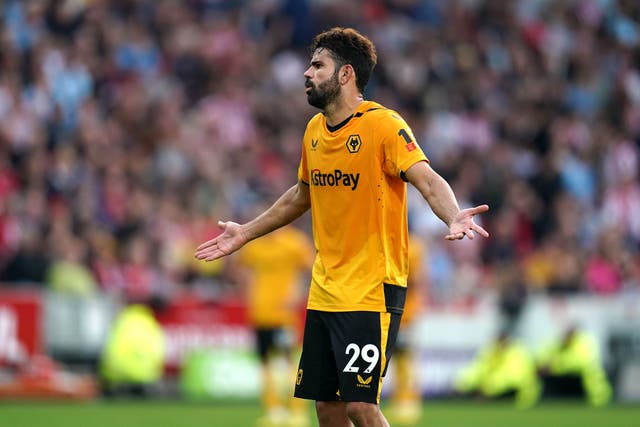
[(129, 127)]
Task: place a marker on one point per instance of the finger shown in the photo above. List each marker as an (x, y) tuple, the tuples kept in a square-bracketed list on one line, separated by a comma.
[(201, 254), (214, 255), (478, 209), (208, 255), (469, 234), (207, 247), (222, 224), (481, 231), (207, 244), (456, 236)]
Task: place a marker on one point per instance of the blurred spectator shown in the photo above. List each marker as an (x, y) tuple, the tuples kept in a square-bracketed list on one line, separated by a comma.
[(28, 266), (503, 369), (604, 267), (512, 294), (566, 272), (68, 272), (571, 366), (105, 262), (141, 276), (538, 265), (133, 358)]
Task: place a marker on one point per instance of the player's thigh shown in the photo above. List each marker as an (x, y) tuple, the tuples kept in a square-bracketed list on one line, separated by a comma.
[(317, 377), (362, 343)]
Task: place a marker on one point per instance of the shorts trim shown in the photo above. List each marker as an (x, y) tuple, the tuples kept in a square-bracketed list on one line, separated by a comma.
[(385, 323)]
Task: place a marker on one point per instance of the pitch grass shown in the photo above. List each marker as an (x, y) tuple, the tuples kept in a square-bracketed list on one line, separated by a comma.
[(181, 414)]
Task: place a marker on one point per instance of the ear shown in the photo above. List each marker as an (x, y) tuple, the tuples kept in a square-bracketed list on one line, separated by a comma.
[(346, 73)]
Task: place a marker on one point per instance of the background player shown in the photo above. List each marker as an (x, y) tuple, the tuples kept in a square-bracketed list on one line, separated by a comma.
[(406, 402), (271, 268)]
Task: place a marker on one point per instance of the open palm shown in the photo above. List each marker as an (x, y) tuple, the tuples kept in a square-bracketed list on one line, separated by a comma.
[(231, 239), (463, 224)]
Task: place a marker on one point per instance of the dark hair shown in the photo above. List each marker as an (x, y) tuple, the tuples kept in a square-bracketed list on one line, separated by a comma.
[(348, 46)]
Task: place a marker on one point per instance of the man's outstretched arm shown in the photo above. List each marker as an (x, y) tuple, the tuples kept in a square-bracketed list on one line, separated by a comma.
[(293, 203), (438, 193)]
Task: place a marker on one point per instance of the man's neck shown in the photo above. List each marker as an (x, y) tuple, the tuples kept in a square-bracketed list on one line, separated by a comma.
[(343, 108)]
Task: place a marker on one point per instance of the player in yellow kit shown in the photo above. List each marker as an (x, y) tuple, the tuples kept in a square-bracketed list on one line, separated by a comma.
[(272, 268), (356, 158), (406, 403)]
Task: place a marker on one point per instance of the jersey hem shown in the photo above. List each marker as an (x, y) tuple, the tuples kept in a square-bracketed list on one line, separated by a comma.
[(347, 309)]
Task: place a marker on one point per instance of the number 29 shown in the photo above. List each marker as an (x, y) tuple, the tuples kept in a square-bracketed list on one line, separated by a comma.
[(370, 354)]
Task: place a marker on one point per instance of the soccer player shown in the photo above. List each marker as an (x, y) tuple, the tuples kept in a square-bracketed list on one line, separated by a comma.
[(272, 268), (357, 156), (406, 402)]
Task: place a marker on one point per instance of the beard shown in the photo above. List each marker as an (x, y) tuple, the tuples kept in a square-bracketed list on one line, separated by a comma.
[(325, 93)]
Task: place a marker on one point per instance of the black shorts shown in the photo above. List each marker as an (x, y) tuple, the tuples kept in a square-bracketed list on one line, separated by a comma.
[(345, 355), (273, 339)]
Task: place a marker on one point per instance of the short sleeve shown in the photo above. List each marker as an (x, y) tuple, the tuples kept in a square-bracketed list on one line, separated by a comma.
[(401, 150), (303, 168)]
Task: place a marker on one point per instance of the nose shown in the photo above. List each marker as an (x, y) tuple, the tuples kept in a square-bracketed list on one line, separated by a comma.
[(307, 73)]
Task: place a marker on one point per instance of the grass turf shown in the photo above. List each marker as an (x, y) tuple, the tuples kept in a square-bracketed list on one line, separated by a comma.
[(182, 414)]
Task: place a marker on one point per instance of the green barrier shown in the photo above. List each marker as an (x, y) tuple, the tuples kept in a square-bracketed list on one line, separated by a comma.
[(220, 374)]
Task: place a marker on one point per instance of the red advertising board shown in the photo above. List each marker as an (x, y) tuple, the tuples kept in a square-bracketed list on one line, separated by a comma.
[(192, 324), (20, 325)]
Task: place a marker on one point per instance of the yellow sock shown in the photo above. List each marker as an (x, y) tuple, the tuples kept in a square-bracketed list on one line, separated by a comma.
[(298, 406), (270, 400), (405, 385)]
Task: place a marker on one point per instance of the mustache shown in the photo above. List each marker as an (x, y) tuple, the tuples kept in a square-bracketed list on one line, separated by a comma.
[(307, 83)]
